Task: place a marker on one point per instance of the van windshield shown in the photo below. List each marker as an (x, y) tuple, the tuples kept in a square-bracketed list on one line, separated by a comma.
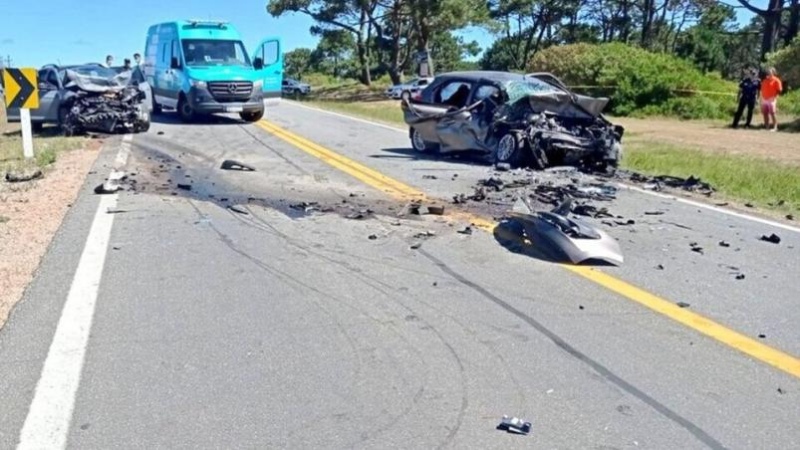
[(213, 52)]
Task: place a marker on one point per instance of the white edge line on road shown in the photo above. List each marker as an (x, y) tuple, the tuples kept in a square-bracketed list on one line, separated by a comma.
[(623, 185), (48, 420)]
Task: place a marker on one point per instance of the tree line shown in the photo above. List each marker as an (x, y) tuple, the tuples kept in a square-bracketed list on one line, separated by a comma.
[(369, 38)]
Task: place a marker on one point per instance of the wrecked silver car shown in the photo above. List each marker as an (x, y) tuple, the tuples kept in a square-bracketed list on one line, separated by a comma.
[(100, 99), (90, 97), (524, 120)]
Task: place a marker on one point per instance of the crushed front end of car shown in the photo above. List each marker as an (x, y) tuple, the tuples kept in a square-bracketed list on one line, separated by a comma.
[(555, 127), (103, 101)]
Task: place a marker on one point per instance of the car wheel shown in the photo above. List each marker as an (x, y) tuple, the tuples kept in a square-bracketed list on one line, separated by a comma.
[(419, 144), (253, 116), (37, 126), (509, 149), (185, 110)]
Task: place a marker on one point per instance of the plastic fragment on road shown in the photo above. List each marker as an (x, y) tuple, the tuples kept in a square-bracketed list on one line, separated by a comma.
[(230, 164), (514, 425), (773, 238), (23, 175)]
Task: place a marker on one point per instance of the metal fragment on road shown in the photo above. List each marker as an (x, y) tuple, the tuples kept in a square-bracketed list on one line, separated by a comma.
[(185, 187), (238, 209), (514, 425)]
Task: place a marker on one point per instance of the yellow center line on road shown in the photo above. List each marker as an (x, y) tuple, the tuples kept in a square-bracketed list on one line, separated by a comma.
[(764, 353)]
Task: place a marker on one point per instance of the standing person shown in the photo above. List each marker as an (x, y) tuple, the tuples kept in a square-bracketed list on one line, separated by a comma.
[(748, 93), (127, 64), (137, 59), (109, 61), (771, 88)]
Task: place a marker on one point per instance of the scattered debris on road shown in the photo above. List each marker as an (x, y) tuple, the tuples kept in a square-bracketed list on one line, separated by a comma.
[(360, 214), (238, 209), (683, 305), (657, 183), (466, 230), (185, 187), (660, 267), (418, 209), (230, 164), (429, 177), (789, 217), (502, 167), (514, 425), (724, 244), (372, 237), (696, 247), (781, 391), (762, 336), (740, 276), (773, 238), (21, 176), (654, 213)]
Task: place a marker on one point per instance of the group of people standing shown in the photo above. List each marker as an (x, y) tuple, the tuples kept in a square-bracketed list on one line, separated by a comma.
[(751, 89), (137, 59)]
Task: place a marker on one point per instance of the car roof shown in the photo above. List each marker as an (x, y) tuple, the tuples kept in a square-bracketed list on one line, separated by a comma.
[(491, 75)]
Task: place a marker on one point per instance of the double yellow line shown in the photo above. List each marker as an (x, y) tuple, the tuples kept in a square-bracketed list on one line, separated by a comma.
[(401, 191)]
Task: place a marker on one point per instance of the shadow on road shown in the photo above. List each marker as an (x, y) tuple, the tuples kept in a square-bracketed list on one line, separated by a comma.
[(171, 118), (469, 158)]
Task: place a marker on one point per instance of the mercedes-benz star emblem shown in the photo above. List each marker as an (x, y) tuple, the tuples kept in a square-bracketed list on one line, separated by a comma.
[(232, 88)]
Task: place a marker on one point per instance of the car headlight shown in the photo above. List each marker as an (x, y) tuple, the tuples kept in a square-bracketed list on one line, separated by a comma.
[(198, 84), (258, 84)]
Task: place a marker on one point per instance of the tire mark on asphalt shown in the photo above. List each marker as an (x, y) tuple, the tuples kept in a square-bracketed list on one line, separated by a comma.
[(391, 296), (606, 373)]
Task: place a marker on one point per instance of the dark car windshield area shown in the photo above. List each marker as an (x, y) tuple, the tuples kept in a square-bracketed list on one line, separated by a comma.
[(211, 52)]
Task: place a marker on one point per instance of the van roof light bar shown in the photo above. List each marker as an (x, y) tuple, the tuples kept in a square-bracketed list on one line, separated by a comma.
[(218, 23)]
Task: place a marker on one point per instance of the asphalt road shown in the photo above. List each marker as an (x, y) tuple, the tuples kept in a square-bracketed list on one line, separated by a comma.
[(298, 327)]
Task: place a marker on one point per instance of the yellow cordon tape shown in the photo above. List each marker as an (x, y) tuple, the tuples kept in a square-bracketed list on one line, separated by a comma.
[(401, 191)]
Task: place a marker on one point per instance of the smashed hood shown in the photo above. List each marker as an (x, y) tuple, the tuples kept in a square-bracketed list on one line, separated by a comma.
[(565, 105), (99, 82)]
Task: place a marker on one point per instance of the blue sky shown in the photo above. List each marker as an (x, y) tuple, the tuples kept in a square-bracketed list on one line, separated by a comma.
[(39, 32)]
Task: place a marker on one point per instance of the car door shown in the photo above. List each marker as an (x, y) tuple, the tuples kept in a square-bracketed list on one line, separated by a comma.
[(451, 126), (268, 62), (49, 95), (425, 115)]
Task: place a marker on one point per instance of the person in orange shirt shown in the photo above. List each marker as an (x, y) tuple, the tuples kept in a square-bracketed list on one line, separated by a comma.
[(771, 87)]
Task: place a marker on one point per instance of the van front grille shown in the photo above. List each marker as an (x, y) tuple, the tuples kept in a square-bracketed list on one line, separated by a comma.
[(230, 91)]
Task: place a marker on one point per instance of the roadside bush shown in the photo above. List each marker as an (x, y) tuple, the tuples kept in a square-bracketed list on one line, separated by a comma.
[(787, 62), (638, 82)]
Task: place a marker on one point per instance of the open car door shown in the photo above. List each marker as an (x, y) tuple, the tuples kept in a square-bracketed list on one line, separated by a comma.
[(268, 62)]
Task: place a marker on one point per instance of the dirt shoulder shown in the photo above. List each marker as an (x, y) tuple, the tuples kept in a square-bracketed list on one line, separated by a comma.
[(30, 215), (782, 146)]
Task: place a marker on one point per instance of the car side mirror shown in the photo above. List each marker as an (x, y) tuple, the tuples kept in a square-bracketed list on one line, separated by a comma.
[(174, 63), (258, 63)]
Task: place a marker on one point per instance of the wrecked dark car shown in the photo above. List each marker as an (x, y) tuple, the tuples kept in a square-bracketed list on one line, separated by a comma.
[(91, 97), (523, 120)]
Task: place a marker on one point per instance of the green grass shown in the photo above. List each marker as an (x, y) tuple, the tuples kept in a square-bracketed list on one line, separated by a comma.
[(46, 146), (755, 180), (387, 112)]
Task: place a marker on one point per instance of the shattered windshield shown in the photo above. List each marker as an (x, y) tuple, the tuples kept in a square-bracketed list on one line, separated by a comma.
[(213, 52), (519, 89)]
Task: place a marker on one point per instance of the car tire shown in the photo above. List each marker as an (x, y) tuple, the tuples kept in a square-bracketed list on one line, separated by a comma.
[(37, 127), (185, 110), (510, 149), (252, 116), (419, 144)]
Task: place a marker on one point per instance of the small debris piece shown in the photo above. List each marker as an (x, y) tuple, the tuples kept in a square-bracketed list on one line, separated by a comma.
[(762, 336), (435, 283), (106, 188), (425, 234), (724, 244), (185, 187), (721, 204), (160, 133), (436, 210), (789, 217), (429, 177), (230, 164), (360, 215), (740, 276), (238, 209), (624, 222), (781, 391), (654, 213), (303, 206), (580, 307), (660, 267), (22, 176), (514, 425), (372, 237), (683, 305), (696, 248), (503, 167), (749, 205), (773, 238), (466, 230), (416, 246)]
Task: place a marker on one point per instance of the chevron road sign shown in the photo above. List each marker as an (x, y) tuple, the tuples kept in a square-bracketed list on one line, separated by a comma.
[(22, 88)]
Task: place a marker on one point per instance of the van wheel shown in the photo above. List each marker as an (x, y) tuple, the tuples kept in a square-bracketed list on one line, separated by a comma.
[(253, 116), (185, 110)]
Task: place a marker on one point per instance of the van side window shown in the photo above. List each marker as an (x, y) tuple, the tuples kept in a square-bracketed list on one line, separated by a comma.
[(176, 53), (164, 53)]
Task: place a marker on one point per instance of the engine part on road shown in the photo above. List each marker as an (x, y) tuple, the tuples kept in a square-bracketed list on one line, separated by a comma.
[(514, 425), (230, 164), (773, 238)]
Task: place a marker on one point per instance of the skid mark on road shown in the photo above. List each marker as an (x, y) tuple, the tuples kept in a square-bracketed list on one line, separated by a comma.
[(48, 420), (776, 358)]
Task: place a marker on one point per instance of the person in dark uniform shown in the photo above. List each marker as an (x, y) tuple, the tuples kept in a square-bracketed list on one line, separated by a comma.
[(748, 94)]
